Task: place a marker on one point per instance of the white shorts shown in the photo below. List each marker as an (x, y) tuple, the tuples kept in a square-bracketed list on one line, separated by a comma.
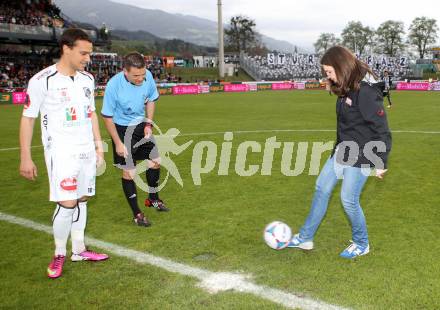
[(71, 174)]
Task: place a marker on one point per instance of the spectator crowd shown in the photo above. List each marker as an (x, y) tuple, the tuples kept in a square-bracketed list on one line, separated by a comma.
[(275, 67), (31, 13), (17, 67)]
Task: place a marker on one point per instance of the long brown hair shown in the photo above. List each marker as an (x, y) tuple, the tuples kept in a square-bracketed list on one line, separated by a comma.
[(349, 70)]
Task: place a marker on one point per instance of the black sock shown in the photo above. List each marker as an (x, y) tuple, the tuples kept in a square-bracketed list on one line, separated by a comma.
[(153, 182), (131, 194)]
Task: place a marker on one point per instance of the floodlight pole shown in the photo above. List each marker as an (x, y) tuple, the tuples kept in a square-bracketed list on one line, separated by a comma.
[(221, 52)]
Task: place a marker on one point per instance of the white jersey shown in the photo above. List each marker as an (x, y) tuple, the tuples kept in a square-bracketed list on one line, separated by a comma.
[(66, 105)]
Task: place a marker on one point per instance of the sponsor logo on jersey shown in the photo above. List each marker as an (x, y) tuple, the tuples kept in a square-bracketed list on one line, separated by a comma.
[(69, 184), (87, 92), (91, 187), (45, 121), (84, 156), (87, 111), (70, 114), (44, 74), (63, 94), (48, 144)]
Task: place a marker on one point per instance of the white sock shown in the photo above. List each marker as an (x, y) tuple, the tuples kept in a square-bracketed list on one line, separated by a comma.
[(78, 226), (62, 221)]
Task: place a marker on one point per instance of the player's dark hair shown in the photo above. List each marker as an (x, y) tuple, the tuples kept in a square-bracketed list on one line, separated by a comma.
[(349, 70), (70, 36), (134, 59)]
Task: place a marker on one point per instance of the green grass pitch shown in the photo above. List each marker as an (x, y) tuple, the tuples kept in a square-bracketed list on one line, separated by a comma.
[(218, 225)]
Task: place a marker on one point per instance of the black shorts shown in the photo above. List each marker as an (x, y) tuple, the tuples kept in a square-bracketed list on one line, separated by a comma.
[(130, 136)]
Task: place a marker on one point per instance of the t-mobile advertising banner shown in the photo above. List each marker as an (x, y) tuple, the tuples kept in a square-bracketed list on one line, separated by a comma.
[(236, 88), (412, 86), (282, 86), (19, 98), (186, 90), (299, 85)]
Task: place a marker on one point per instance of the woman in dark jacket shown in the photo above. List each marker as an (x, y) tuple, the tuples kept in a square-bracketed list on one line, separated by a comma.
[(363, 144)]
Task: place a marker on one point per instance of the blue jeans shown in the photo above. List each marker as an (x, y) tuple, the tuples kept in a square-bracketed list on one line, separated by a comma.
[(353, 181)]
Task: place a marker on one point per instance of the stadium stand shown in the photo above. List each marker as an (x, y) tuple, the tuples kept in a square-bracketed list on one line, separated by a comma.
[(29, 31), (299, 66), (278, 66), (41, 13), (16, 68), (104, 65)]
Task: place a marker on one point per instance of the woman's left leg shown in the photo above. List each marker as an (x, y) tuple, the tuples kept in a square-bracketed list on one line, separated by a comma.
[(352, 185)]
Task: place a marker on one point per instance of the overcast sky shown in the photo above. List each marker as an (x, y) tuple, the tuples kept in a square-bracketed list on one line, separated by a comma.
[(301, 22)]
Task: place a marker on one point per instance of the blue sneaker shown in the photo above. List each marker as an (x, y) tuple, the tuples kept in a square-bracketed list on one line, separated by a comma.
[(297, 242), (354, 250)]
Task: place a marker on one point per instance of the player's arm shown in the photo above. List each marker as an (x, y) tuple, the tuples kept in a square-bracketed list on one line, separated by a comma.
[(148, 129), (98, 140), (27, 166), (99, 148), (150, 104), (149, 111), (36, 93), (121, 150), (371, 108)]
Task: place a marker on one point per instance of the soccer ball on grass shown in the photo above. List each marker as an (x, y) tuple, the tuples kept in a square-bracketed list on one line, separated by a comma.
[(277, 235)]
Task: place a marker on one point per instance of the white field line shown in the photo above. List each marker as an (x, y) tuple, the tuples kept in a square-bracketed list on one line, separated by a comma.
[(196, 134), (213, 282)]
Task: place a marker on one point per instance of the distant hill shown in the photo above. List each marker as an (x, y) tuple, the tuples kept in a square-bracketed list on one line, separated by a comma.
[(144, 36), (155, 43), (200, 31)]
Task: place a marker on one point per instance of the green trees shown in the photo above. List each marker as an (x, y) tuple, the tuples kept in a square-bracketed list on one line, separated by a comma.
[(357, 37), (389, 38), (325, 41), (422, 32), (241, 34)]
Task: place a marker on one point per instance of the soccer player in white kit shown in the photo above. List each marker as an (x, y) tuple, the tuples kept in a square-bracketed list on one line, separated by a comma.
[(64, 95)]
